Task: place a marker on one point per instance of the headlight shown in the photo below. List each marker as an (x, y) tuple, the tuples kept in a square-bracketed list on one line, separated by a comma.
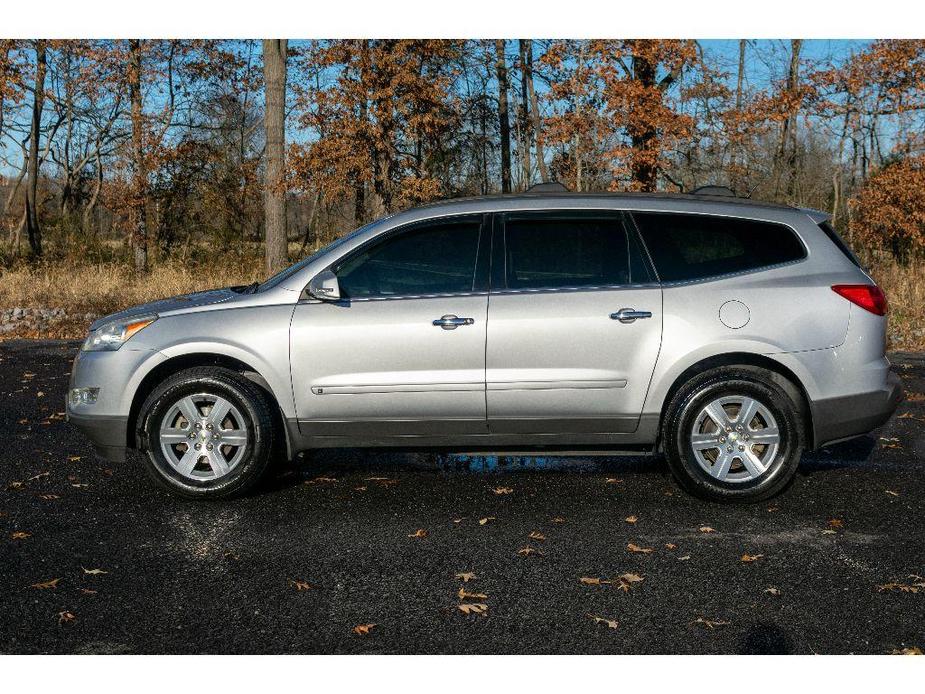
[(111, 336)]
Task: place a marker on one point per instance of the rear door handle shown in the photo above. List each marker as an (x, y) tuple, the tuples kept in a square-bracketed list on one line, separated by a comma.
[(451, 322), (628, 315)]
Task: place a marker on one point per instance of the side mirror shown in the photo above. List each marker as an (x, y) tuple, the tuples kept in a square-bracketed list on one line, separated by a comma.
[(324, 286)]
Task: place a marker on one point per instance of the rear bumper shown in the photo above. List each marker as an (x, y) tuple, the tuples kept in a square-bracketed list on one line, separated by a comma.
[(107, 434), (840, 418)]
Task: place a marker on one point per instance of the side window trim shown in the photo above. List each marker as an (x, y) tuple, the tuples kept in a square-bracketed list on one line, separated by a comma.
[(499, 249), (482, 251)]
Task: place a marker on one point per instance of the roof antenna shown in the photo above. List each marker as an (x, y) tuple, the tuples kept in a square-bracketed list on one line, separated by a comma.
[(548, 187)]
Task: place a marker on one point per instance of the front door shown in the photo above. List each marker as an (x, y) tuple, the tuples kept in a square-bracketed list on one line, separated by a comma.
[(574, 325), (403, 353)]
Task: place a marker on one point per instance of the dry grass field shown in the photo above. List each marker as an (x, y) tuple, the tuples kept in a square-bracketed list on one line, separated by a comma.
[(81, 287)]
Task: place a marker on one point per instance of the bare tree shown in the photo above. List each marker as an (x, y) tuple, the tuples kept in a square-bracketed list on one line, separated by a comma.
[(274, 70), (31, 217), (504, 122), (139, 229), (527, 49)]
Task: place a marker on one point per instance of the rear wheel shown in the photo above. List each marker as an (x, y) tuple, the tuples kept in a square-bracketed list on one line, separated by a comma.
[(208, 433), (733, 434)]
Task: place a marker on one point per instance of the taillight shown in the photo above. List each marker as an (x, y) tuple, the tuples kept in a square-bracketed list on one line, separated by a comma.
[(868, 296)]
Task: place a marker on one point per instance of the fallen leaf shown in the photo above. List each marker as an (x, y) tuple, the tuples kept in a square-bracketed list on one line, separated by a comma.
[(73, 458), (836, 523), (535, 535), (711, 623), (772, 590), (363, 629), (38, 476), (465, 576), (901, 587), (502, 490), (230, 556), (20, 535), (458, 520), (909, 650), (670, 545), (892, 493), (914, 397), (751, 557), (359, 489), (909, 415), (558, 519), (684, 558), (528, 550), (627, 581), (639, 550), (39, 394), (591, 581), (829, 531), (613, 480), (49, 497), (419, 533), (15, 485), (87, 591), (320, 480), (473, 608), (631, 519), (773, 509), (483, 521), (706, 529), (463, 595), (300, 585), (611, 623), (94, 572), (53, 583), (65, 617)]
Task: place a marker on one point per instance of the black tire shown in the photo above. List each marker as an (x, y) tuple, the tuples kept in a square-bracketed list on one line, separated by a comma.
[(779, 397), (255, 409)]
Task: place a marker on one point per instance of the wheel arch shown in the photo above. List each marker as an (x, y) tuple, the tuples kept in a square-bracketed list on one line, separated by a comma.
[(186, 361), (782, 376)]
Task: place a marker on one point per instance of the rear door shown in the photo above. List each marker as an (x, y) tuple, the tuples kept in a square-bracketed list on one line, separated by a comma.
[(574, 324)]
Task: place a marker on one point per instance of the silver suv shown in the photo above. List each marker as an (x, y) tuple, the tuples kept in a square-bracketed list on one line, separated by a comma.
[(730, 335)]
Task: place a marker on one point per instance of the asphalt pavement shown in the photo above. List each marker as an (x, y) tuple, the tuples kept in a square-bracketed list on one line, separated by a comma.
[(95, 559)]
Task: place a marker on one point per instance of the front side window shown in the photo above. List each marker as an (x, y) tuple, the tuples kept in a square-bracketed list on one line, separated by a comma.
[(692, 247), (551, 253), (438, 258)]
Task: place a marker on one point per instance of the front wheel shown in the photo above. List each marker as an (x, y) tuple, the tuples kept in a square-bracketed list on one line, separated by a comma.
[(733, 434), (208, 433)]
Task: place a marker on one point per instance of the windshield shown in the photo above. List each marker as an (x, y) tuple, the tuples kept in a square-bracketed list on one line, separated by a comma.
[(283, 275)]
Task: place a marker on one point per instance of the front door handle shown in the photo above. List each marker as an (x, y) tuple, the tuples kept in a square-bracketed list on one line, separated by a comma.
[(628, 315), (451, 322)]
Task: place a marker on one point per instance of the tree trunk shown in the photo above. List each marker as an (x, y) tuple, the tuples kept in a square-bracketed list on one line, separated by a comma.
[(526, 124), (504, 123), (788, 129), (274, 70), (535, 113), (139, 230), (31, 217), (644, 173), (737, 144)]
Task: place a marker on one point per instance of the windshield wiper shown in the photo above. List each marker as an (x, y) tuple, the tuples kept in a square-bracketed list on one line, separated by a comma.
[(246, 288)]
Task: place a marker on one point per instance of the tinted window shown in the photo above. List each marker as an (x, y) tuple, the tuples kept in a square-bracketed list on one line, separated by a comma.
[(435, 259), (839, 242), (690, 247), (546, 253)]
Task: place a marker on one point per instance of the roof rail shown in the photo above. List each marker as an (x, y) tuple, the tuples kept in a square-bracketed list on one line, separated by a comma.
[(720, 191), (548, 187)]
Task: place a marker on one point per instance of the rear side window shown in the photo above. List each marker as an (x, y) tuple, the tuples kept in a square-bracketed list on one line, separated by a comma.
[(839, 243), (692, 247), (542, 252)]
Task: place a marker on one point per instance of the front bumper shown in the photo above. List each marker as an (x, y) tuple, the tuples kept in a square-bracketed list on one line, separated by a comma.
[(107, 434), (837, 419)]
